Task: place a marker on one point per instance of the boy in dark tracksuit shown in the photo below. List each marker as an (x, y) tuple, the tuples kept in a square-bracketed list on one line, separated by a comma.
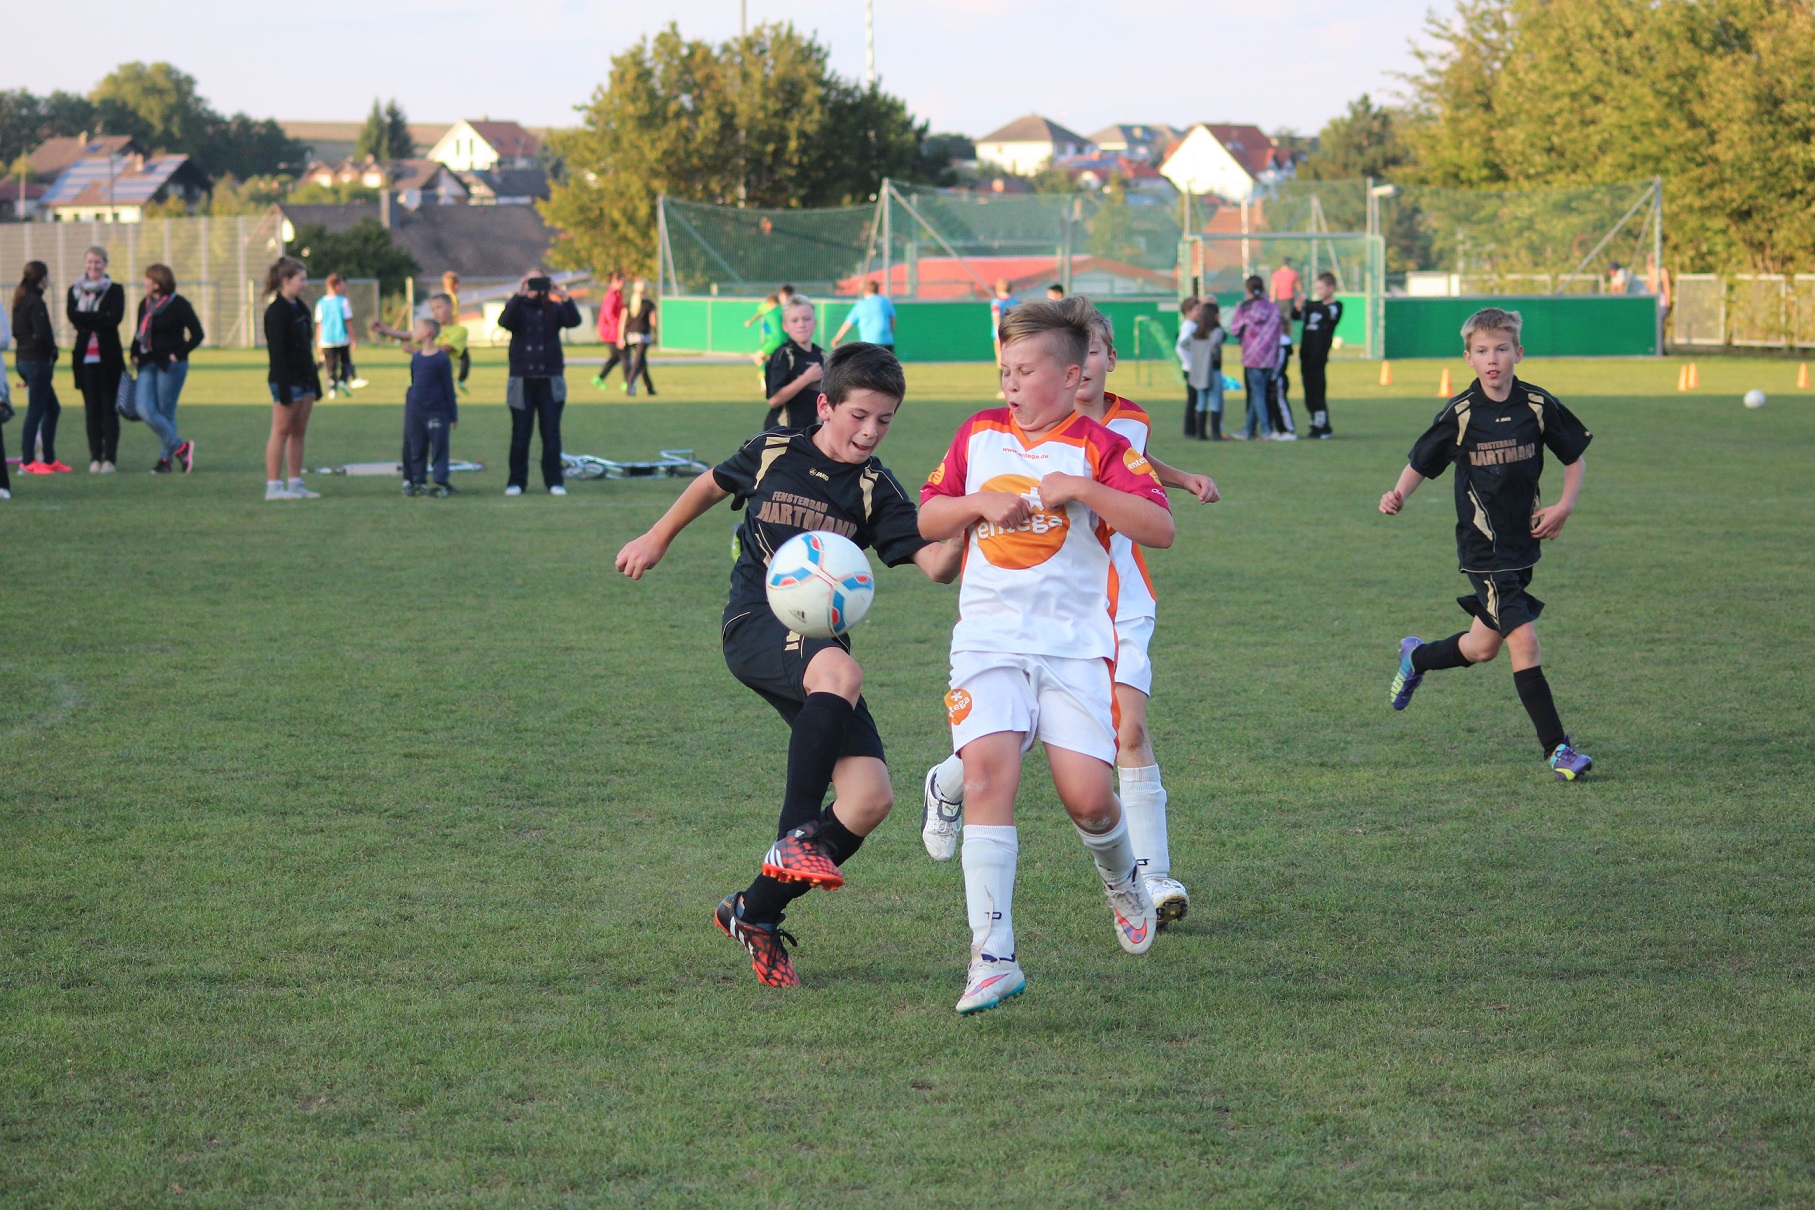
[(1321, 315), (429, 411)]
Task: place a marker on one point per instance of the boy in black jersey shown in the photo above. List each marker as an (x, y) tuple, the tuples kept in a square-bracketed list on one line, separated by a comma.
[(1495, 433), (823, 477), (794, 370), (1321, 315)]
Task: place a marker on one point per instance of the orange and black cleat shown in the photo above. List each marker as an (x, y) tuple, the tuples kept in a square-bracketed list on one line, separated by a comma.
[(768, 958), (800, 856)]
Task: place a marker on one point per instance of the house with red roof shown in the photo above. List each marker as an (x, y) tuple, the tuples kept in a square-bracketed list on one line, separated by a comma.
[(118, 188), (477, 145), (1234, 162)]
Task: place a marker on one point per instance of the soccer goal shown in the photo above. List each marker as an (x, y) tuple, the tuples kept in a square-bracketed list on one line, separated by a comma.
[(1218, 264)]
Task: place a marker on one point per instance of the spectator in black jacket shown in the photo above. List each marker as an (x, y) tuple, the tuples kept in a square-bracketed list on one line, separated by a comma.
[(35, 357), (167, 332), (95, 307), (295, 386), (534, 318)]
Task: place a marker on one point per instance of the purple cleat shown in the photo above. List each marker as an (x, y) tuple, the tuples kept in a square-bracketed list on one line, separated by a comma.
[(1568, 763), (1407, 679)]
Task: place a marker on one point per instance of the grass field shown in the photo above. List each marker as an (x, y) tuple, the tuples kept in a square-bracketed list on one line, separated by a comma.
[(363, 849)]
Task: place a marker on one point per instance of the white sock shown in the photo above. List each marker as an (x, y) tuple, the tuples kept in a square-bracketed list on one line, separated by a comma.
[(1144, 807), (989, 887), (948, 777), (295, 483), (274, 485), (1110, 850)]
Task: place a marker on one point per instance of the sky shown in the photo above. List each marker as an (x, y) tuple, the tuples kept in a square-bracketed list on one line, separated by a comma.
[(963, 65)]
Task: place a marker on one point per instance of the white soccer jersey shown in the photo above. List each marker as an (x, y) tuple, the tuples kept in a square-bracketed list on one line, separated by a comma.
[(1048, 586), (1136, 599)]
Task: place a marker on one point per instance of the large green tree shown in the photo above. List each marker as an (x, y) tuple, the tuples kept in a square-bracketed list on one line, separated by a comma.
[(363, 250), (761, 121), (160, 106), (386, 134), (1361, 143)]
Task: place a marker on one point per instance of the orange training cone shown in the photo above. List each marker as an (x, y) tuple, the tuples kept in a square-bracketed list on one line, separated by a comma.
[(1695, 376), (1443, 391), (1802, 376), (1682, 377), (1386, 373)]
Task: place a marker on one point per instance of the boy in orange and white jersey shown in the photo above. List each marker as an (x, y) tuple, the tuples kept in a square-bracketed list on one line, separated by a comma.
[(1139, 787), (1037, 490)]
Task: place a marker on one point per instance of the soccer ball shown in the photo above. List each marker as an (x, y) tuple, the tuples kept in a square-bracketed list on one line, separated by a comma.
[(1755, 399), (820, 584)]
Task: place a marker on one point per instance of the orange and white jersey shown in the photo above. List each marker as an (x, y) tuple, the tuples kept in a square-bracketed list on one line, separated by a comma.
[(1128, 419), (1047, 586)]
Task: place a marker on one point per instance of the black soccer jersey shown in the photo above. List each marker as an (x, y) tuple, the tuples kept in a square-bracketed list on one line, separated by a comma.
[(785, 365), (1320, 319), (1498, 451), (789, 486)]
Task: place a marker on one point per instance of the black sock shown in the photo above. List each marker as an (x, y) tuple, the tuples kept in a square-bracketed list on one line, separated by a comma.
[(1534, 691), (767, 898), (1444, 653), (841, 843), (818, 735)]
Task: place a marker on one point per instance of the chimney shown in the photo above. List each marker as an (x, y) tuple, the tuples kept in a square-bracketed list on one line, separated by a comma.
[(384, 205)]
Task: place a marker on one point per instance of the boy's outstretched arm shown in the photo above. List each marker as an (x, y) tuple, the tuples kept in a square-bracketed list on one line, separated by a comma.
[(645, 551), (941, 561), (1548, 522), (943, 517), (1201, 486), (1142, 522), (1394, 500)]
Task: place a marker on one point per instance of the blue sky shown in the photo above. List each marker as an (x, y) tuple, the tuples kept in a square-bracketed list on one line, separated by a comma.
[(966, 65)]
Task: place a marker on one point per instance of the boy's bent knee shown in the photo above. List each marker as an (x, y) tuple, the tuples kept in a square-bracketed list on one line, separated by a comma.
[(834, 671)]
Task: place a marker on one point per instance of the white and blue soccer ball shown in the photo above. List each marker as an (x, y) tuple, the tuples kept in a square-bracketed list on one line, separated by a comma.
[(819, 584)]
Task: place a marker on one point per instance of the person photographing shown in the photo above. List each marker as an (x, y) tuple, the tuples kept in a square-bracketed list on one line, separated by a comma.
[(537, 390)]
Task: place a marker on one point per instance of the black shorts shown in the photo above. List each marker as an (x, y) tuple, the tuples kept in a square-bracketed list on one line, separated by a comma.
[(772, 660), (1500, 599)]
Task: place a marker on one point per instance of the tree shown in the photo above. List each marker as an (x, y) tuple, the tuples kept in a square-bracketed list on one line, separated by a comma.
[(1112, 232), (1363, 142), (27, 120), (159, 106), (386, 134), (363, 250), (253, 196), (761, 121)]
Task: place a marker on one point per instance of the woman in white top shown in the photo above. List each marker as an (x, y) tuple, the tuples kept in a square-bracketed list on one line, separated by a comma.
[(1200, 354)]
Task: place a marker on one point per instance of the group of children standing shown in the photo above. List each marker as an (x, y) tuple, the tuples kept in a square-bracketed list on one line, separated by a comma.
[(1263, 325)]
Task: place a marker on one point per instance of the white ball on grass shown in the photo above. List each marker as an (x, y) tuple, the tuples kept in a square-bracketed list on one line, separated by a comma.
[(1755, 398)]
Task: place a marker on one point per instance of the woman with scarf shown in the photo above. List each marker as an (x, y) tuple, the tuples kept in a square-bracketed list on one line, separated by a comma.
[(96, 306), (167, 332)]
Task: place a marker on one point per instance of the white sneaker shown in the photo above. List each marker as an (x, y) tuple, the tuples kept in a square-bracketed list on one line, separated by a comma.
[(108, 468), (1170, 901), (94, 468), (332, 393), (275, 491), (356, 383), (989, 982), (513, 490), (5, 495), (557, 490), (1133, 911), (941, 819), (301, 492)]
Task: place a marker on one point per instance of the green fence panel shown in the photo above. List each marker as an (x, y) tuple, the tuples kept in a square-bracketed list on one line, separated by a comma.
[(1556, 325)]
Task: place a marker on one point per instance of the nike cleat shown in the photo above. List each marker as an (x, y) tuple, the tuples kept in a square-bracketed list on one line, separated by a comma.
[(1569, 764), (1135, 922), (989, 982), (1407, 679), (801, 857), (1170, 901), (763, 942), (940, 820)]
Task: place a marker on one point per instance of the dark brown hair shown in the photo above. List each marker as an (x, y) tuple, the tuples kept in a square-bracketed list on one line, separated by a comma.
[(283, 268), (1210, 314), (161, 277), (32, 280), (859, 367)]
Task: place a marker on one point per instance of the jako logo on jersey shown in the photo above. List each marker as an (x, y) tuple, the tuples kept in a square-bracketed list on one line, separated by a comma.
[(1030, 543), (957, 706)]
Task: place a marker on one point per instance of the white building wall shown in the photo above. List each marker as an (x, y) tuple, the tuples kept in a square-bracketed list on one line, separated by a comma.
[(462, 150), (1203, 165)]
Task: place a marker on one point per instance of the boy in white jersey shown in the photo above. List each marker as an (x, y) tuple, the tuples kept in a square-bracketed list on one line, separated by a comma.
[(1037, 490), (1139, 787)]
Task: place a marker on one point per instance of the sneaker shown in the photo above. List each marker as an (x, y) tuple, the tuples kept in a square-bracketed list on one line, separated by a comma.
[(58, 468), (1568, 763), (332, 393), (1134, 917), (513, 490), (557, 490), (410, 489), (800, 857), (990, 981), (5, 495), (444, 490), (108, 468), (598, 380), (163, 467), (1170, 900), (34, 468), (940, 820), (1407, 679), (301, 491), (277, 491), (763, 942), (462, 388), (185, 454), (356, 383), (94, 468)]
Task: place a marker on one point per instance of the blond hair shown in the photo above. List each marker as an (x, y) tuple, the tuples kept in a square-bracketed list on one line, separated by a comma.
[(1083, 311), (1492, 319), (795, 302), (1062, 316)]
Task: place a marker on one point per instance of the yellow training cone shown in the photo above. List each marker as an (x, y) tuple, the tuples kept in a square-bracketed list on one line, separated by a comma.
[(1802, 376), (1443, 391), (1695, 376), (1386, 373), (1682, 377)]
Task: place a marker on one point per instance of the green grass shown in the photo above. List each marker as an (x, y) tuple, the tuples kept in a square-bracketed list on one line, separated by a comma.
[(362, 850)]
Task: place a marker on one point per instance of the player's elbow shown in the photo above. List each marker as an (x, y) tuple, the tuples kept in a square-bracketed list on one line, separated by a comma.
[(1161, 532)]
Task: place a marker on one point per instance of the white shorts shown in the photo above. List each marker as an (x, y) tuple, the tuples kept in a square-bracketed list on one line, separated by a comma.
[(1067, 703), (1133, 666)]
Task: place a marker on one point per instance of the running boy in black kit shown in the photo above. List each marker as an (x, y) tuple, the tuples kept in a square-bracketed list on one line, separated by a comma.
[(1321, 315), (1495, 433), (823, 477)]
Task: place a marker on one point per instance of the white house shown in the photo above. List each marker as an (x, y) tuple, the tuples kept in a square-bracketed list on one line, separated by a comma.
[(1233, 162), (1027, 145), (475, 145)]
